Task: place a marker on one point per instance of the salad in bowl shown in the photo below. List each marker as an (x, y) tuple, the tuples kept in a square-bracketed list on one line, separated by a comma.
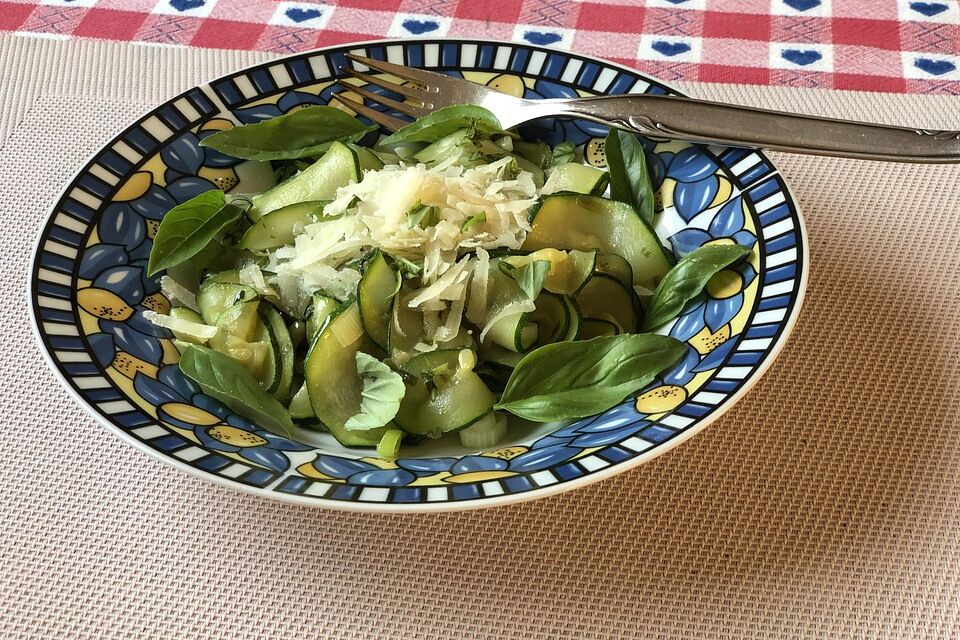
[(451, 281)]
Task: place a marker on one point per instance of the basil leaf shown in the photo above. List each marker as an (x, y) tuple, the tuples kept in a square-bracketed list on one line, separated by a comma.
[(383, 390), (445, 121), (228, 381), (424, 215), (629, 176), (530, 277), (407, 267), (480, 218), (567, 380), (302, 133), (189, 227), (564, 152), (686, 280)]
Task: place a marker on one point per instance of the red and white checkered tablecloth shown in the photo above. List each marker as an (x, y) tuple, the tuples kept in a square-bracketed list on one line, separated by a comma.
[(904, 46)]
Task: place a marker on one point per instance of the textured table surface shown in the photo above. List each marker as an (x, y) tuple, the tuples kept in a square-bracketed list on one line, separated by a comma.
[(825, 504)]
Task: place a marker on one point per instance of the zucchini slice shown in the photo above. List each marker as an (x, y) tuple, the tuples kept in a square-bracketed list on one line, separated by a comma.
[(320, 309), (516, 332), (367, 160), (332, 380), (499, 356), (513, 331), (588, 222), (188, 315), (375, 294), (214, 298), (240, 320), (282, 347), (281, 226), (300, 408), (597, 328), (569, 270), (613, 265), (606, 298), (573, 177), (552, 317), (576, 319), (460, 142), (338, 167), (455, 398), (405, 328)]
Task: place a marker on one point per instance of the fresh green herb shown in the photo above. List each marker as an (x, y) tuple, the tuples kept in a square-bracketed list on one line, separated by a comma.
[(509, 170), (389, 445), (189, 227), (423, 215), (629, 176), (445, 121), (383, 390), (538, 153), (408, 267), (530, 277), (430, 376), (564, 152), (225, 379), (687, 279), (568, 380), (472, 221), (302, 133), (283, 169)]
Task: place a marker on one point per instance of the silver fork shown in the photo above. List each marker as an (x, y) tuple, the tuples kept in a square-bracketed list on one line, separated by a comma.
[(659, 117)]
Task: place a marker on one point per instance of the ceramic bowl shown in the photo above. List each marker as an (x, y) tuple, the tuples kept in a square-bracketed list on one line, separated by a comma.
[(89, 290)]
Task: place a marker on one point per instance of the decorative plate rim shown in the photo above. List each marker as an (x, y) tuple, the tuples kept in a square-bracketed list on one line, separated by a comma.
[(773, 350)]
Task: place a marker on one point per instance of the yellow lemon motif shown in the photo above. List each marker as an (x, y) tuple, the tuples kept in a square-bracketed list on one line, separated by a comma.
[(381, 463), (156, 302), (478, 476), (236, 437), (216, 124), (510, 85), (594, 154), (129, 366), (225, 178), (725, 284), (723, 192), (664, 195), (506, 453), (189, 413), (706, 341), (135, 186), (665, 398), (104, 304), (308, 470), (170, 353)]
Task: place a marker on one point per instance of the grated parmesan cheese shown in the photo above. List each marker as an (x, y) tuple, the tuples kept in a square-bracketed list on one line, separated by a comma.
[(373, 214)]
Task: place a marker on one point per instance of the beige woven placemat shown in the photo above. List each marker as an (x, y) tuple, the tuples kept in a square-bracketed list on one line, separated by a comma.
[(826, 504)]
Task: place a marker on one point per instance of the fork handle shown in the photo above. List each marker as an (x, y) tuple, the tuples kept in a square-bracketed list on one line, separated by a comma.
[(716, 123)]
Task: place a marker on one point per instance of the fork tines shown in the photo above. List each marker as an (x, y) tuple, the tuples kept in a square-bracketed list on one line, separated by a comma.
[(426, 83)]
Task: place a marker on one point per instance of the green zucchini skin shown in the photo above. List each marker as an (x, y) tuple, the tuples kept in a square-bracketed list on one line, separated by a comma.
[(281, 226), (459, 399), (333, 383), (566, 221), (375, 294), (338, 167)]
